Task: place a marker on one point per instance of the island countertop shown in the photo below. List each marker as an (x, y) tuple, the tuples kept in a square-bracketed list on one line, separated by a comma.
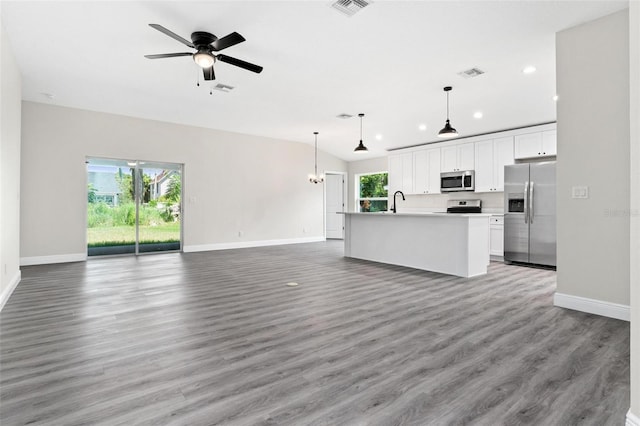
[(449, 243), (420, 214)]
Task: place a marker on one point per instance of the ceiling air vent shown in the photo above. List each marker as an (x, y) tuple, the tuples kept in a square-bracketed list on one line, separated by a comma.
[(223, 87), (350, 7), (471, 72), (344, 116)]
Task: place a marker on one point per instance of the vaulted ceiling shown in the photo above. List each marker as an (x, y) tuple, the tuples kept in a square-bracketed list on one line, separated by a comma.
[(390, 61)]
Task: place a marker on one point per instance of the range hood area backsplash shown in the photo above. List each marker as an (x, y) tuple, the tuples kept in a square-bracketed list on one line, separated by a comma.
[(492, 202)]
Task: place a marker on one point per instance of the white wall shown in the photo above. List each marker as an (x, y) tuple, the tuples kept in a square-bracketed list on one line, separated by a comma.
[(10, 95), (592, 66), (634, 74), (232, 182)]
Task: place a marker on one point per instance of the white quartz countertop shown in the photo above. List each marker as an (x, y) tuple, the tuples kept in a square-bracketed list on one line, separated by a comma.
[(423, 214)]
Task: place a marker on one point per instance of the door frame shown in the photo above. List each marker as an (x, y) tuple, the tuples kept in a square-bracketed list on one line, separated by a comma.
[(344, 198)]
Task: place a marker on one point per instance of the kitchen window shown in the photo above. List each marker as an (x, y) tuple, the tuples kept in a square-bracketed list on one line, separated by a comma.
[(372, 192)]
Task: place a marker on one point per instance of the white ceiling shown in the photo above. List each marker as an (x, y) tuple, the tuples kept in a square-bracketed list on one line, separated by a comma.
[(389, 61)]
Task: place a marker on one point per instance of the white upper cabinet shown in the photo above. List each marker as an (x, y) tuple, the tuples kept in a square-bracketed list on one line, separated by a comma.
[(538, 144), (502, 156), (401, 173), (395, 173), (407, 173), (417, 170), (457, 157), (484, 166), (426, 171), (549, 144), (490, 158)]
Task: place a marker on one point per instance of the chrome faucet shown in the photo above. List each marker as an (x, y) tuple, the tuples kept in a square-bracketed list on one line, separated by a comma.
[(393, 209)]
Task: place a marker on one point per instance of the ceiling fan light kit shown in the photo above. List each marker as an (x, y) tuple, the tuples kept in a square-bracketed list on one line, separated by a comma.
[(361, 148), (447, 131), (206, 43), (203, 58)]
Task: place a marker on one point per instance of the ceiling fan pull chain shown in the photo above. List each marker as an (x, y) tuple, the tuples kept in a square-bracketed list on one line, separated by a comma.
[(198, 78)]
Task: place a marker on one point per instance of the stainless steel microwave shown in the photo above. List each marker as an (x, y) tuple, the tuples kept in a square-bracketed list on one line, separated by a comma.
[(463, 180)]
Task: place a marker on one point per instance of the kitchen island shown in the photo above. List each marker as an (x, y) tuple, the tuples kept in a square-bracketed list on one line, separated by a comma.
[(449, 243)]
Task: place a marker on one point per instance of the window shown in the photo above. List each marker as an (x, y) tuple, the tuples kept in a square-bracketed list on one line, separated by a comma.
[(372, 192)]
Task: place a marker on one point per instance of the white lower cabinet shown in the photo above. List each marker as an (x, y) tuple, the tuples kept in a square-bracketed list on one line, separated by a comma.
[(496, 235)]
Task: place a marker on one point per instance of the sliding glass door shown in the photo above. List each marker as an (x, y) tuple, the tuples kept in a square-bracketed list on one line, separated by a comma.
[(133, 206), (159, 206)]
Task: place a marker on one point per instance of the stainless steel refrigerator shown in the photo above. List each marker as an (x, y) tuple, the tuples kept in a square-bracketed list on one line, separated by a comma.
[(530, 213)]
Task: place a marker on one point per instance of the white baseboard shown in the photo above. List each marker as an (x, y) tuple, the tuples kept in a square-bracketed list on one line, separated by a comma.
[(593, 306), (632, 419), (60, 258), (248, 244), (6, 293)]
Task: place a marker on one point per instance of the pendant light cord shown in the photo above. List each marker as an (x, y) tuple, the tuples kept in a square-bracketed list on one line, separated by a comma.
[(315, 166), (447, 106), (361, 128)]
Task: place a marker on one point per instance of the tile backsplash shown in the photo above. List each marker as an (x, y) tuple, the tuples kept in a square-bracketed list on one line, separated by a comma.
[(492, 202)]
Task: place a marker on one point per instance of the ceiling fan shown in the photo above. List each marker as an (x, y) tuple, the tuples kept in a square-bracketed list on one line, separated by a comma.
[(205, 44)]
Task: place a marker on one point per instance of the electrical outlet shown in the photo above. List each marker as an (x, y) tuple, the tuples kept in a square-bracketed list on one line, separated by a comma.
[(580, 192)]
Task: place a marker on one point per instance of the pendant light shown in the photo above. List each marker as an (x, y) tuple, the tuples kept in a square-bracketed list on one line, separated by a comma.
[(361, 147), (314, 178), (447, 131)]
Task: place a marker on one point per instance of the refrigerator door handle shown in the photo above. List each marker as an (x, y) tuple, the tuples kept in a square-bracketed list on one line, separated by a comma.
[(526, 202), (531, 207)]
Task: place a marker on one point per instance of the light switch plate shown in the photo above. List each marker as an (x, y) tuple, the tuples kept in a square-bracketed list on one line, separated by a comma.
[(580, 192)]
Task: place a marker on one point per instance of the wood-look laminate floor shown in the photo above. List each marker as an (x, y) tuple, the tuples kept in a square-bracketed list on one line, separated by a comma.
[(218, 338)]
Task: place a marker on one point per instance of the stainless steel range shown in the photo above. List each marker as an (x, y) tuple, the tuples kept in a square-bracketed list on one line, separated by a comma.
[(464, 206)]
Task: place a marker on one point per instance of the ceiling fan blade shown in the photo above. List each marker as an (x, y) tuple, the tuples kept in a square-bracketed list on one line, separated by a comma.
[(168, 55), (208, 73), (172, 35), (239, 63), (227, 41)]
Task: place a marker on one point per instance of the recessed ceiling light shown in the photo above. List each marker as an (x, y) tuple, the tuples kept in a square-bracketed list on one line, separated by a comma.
[(477, 114), (379, 137), (529, 69), (422, 127), (555, 97)]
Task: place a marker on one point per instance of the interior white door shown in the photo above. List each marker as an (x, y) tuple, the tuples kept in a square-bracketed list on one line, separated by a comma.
[(334, 186)]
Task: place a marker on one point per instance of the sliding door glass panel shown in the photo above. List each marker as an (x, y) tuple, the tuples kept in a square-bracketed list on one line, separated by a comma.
[(133, 206), (160, 208), (111, 209)]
